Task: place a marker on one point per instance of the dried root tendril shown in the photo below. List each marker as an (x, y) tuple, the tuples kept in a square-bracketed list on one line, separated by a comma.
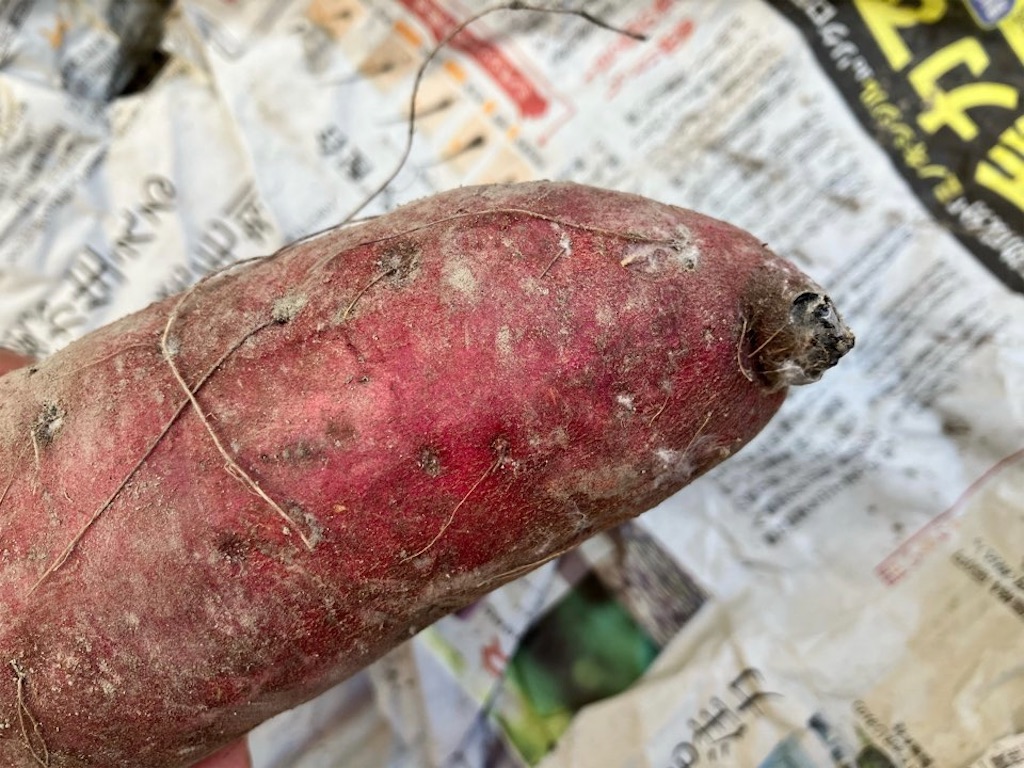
[(168, 356), (657, 413), (235, 470), (739, 351), (7, 489), (451, 515), (10, 482), (444, 43), (31, 731), (190, 391), (563, 251), (700, 430), (363, 290)]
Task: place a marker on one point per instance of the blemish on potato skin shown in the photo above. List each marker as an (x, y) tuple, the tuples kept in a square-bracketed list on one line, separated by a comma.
[(232, 547), (560, 437), (288, 307), (682, 253), (172, 347), (49, 424), (400, 261), (505, 343), (340, 433), (458, 275), (605, 316), (501, 446), (397, 266), (314, 528), (300, 452), (429, 461), (532, 286)]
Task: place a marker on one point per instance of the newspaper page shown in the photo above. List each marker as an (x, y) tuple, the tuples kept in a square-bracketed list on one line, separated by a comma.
[(849, 589)]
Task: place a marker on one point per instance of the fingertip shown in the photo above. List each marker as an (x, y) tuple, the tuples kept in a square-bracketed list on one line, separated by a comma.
[(233, 756), (11, 361)]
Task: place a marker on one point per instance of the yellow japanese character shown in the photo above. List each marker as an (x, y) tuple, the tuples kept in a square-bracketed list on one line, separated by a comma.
[(949, 108), (1003, 171), (949, 189), (886, 19)]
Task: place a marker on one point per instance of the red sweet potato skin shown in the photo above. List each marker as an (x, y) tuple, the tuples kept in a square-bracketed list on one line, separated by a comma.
[(437, 399)]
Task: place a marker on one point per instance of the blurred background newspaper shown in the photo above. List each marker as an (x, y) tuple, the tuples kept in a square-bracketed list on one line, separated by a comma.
[(849, 590)]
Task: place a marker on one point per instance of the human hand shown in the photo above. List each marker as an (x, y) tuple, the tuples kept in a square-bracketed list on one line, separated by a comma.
[(10, 361), (234, 755)]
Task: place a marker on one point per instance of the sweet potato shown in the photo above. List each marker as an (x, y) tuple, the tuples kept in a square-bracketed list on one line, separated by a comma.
[(388, 421)]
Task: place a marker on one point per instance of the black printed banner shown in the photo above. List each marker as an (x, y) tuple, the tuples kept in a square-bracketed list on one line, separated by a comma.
[(938, 84)]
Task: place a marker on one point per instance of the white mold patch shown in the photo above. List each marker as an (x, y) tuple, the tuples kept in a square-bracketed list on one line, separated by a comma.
[(48, 425), (675, 464), (504, 342), (287, 308), (564, 241), (606, 316), (459, 276), (173, 346), (679, 253), (533, 286)]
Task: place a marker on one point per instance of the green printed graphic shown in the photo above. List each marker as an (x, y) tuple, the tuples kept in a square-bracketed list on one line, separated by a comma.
[(586, 649)]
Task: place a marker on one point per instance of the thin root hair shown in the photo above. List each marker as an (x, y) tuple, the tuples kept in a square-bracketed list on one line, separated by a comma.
[(629, 237), (191, 391), (739, 352), (40, 753), (69, 549), (451, 515), (236, 470), (363, 290), (444, 43)]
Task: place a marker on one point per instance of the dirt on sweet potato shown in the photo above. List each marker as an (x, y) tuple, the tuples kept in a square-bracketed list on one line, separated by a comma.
[(216, 508)]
